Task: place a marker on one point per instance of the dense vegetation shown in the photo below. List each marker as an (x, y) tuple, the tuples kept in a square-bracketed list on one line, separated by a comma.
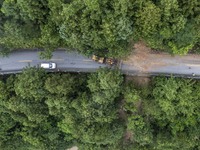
[(99, 26), (40, 110)]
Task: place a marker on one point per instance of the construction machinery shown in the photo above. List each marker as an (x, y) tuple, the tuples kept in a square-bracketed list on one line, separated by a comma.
[(103, 60)]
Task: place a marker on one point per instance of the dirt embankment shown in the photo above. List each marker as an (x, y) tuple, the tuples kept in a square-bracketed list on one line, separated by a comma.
[(143, 58)]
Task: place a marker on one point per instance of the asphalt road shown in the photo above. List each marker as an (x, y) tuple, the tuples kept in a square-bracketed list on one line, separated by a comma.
[(66, 61), (188, 66)]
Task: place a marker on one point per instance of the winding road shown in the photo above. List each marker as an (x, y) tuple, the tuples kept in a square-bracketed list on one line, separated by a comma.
[(153, 64)]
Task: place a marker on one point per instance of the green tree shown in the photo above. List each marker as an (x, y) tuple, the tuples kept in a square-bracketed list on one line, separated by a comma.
[(26, 25), (26, 10), (176, 31), (174, 105), (189, 8), (106, 82), (137, 125), (92, 117), (132, 98), (7, 125), (60, 84), (148, 19), (142, 133), (30, 84), (26, 119), (19, 36), (97, 25)]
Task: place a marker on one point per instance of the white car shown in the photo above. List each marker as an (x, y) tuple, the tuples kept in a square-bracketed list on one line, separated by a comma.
[(48, 65)]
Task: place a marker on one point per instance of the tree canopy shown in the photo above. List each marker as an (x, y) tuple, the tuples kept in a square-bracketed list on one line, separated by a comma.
[(103, 27), (40, 110), (48, 111)]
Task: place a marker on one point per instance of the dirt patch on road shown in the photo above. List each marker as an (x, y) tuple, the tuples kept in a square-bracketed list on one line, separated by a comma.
[(140, 54), (144, 58)]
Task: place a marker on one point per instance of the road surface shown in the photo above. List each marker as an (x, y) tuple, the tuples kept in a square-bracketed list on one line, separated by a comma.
[(145, 61), (153, 64), (71, 61)]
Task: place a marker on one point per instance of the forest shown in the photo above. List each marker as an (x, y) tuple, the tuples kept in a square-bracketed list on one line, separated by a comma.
[(95, 111), (101, 110), (103, 27)]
